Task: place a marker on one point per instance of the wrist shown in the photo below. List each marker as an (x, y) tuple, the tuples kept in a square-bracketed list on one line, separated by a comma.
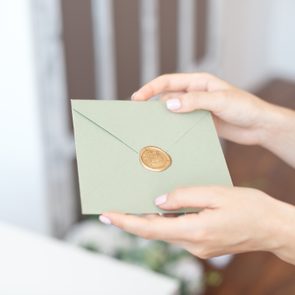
[(282, 233), (275, 122)]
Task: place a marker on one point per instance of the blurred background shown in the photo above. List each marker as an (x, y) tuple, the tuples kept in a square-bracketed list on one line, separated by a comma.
[(52, 51)]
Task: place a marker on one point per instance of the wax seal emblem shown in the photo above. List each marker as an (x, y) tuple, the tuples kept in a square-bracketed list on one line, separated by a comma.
[(155, 159)]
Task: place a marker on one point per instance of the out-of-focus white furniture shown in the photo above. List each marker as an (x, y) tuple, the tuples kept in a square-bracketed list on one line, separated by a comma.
[(33, 264)]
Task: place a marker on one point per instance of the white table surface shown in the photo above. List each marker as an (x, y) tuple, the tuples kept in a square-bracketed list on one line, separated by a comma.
[(37, 265)]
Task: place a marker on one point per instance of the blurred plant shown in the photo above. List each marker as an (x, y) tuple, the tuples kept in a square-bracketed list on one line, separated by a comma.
[(213, 278), (157, 256)]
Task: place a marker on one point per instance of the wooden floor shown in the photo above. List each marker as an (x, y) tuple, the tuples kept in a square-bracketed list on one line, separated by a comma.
[(261, 273)]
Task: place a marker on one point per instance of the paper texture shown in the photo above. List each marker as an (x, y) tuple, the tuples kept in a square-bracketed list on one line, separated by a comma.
[(109, 136)]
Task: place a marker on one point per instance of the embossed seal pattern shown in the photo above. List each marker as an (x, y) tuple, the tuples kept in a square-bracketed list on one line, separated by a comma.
[(155, 159)]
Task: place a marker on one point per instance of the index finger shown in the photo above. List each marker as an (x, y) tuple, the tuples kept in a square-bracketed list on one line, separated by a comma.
[(155, 228), (179, 82)]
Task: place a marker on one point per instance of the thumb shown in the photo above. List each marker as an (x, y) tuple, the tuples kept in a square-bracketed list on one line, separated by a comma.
[(190, 101), (191, 197)]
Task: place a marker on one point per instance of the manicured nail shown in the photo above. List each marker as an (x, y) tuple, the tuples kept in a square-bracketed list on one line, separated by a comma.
[(161, 200), (173, 104), (133, 95), (105, 219)]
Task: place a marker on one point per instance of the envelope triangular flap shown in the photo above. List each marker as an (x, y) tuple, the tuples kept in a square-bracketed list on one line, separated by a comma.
[(138, 124)]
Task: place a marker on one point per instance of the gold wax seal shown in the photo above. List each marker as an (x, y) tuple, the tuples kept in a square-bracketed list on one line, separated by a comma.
[(154, 158)]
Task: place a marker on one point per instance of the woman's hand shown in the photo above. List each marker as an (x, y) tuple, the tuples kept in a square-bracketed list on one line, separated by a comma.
[(232, 220), (239, 116)]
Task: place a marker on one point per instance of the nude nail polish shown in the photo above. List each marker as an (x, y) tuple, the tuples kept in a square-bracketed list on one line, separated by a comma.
[(173, 104), (105, 219), (161, 200)]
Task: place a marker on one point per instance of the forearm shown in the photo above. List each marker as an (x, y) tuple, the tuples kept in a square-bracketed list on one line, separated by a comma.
[(279, 135)]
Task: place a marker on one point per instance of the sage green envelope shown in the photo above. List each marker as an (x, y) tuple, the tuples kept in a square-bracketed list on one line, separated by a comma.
[(109, 135)]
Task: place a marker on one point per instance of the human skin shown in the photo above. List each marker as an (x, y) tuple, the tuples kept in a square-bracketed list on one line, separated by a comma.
[(232, 220)]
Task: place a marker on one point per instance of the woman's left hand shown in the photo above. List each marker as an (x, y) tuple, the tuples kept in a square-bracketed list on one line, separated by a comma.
[(232, 220)]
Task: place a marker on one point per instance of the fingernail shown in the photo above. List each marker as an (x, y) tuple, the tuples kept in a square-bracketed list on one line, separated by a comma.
[(173, 104), (133, 95), (161, 200), (105, 219)]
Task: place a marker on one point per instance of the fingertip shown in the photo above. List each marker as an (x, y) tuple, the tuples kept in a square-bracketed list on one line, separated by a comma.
[(104, 219), (133, 96), (164, 202), (137, 96), (112, 218), (159, 201)]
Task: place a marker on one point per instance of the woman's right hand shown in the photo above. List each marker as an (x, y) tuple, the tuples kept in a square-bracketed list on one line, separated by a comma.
[(238, 115)]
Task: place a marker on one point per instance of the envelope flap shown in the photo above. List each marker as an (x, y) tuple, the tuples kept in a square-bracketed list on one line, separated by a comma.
[(138, 124)]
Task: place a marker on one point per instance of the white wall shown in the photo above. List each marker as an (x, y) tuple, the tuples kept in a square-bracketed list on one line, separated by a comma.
[(22, 181), (245, 59), (282, 45), (258, 41)]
